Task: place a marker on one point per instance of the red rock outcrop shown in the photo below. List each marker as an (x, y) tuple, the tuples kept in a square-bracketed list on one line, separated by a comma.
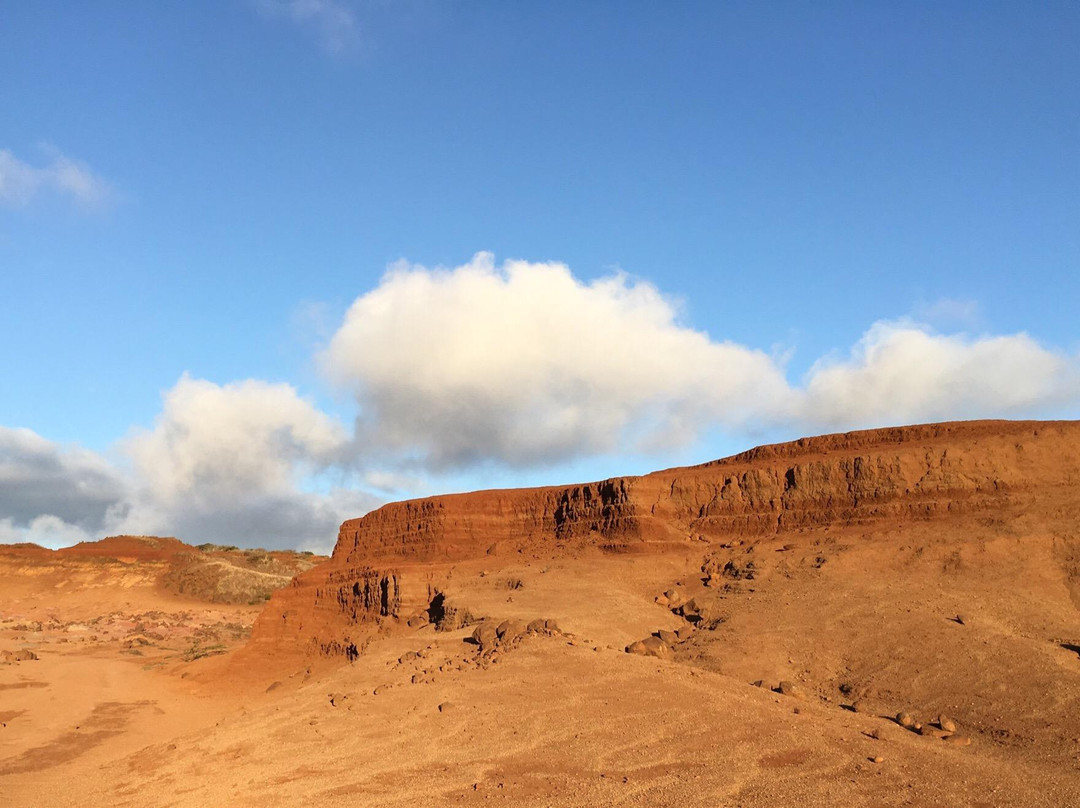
[(386, 564)]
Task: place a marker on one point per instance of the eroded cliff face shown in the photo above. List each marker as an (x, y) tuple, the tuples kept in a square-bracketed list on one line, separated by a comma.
[(388, 565)]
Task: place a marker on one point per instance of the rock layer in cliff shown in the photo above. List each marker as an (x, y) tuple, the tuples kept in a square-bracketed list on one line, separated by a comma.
[(391, 563)]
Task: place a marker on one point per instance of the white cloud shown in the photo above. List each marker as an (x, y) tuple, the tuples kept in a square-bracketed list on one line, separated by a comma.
[(21, 183), (223, 463), (213, 443), (902, 372), (526, 364), (46, 530), (231, 461), (332, 21), (948, 311)]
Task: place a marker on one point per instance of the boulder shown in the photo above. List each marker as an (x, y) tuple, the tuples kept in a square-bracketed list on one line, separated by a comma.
[(650, 646), (485, 635), (792, 689), (668, 637), (510, 630)]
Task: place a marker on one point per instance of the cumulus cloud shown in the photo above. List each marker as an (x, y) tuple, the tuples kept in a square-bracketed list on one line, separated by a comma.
[(21, 183), (213, 443), (332, 21), (46, 530), (236, 463), (902, 372), (231, 461), (526, 364)]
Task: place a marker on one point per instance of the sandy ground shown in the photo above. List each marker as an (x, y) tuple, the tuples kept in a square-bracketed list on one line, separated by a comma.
[(567, 717)]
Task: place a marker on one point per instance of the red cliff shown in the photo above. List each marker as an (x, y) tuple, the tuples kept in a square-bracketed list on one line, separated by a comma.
[(387, 564)]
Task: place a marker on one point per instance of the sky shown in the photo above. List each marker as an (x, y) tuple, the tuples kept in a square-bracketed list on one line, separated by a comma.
[(267, 264)]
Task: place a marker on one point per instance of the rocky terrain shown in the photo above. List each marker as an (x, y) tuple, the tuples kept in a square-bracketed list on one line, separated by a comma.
[(881, 618)]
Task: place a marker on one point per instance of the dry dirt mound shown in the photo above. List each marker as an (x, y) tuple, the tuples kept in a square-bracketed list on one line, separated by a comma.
[(121, 564)]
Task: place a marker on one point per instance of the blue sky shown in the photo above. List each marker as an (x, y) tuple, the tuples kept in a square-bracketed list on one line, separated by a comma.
[(736, 222)]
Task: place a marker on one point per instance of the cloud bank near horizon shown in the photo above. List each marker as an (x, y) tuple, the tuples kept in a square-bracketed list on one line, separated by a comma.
[(520, 365)]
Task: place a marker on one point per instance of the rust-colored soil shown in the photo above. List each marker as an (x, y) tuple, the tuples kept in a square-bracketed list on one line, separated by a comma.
[(926, 570)]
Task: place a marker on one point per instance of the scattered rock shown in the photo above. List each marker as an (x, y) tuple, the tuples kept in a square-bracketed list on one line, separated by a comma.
[(702, 613), (905, 720), (552, 626), (857, 706), (510, 630), (662, 600), (22, 655), (446, 706), (669, 637), (485, 635), (408, 656), (964, 619), (650, 646), (448, 616), (877, 759), (791, 689), (337, 699), (932, 731), (273, 686), (946, 723), (957, 740)]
